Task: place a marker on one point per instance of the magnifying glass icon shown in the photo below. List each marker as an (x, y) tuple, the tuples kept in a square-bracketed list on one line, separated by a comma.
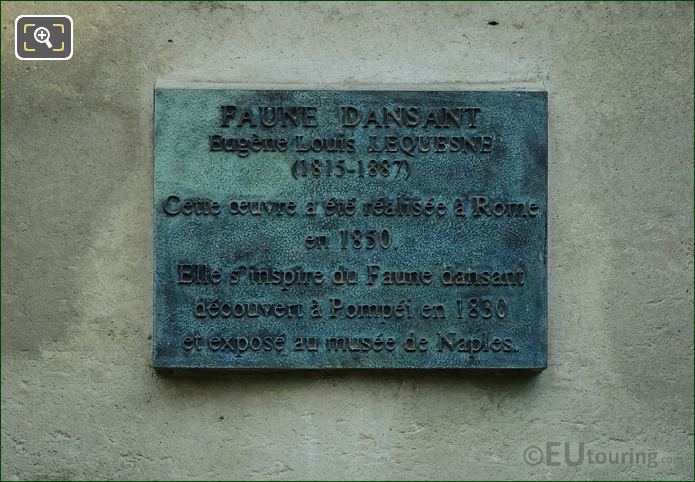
[(43, 36)]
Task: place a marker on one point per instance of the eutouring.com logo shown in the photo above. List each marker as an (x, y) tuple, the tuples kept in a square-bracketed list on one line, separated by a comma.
[(572, 454)]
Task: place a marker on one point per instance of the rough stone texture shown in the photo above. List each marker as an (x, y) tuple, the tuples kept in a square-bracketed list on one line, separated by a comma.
[(79, 397)]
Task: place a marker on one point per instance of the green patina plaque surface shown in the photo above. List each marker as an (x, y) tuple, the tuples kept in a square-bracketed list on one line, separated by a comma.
[(350, 229)]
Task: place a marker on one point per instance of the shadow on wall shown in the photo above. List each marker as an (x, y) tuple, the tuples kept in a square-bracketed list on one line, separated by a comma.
[(514, 380)]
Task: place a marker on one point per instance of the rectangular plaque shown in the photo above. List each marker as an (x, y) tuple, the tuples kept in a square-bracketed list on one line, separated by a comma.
[(350, 229)]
